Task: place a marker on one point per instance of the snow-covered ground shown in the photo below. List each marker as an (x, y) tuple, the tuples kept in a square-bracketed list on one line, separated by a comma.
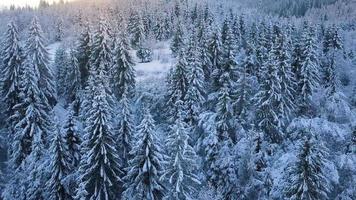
[(157, 69)]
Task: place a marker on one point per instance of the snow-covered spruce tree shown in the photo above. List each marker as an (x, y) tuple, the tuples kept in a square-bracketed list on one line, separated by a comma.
[(146, 166), (101, 55), (58, 168), (332, 43), (261, 47), (123, 71), (12, 59), (73, 82), (306, 178), (99, 171), (178, 39), (194, 99), (286, 106), (72, 141), (309, 72), (35, 170), (182, 164), (177, 83), (83, 53), (32, 125), (38, 58), (216, 52), (267, 100), (245, 71), (226, 72), (61, 65), (32, 115), (205, 57), (59, 30), (125, 128), (136, 29), (332, 39)]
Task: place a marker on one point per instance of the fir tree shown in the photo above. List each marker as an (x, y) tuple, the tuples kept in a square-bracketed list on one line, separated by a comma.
[(309, 76), (178, 39), (125, 129), (246, 69), (61, 64), (145, 167), (123, 71), (12, 59), (73, 81), (281, 56), (267, 100), (59, 30), (58, 168), (136, 29), (177, 83), (37, 57), (83, 54), (306, 177), (99, 169), (216, 52), (194, 98), (72, 141), (182, 164)]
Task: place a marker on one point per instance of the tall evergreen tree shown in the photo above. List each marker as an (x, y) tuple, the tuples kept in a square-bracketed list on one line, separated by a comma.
[(73, 81), (145, 167), (123, 71), (58, 168), (267, 100), (83, 54), (61, 65), (72, 141), (194, 98), (306, 178), (177, 83), (136, 29), (182, 164), (12, 60), (37, 57), (216, 51), (281, 56), (309, 76), (125, 129), (178, 39), (99, 171)]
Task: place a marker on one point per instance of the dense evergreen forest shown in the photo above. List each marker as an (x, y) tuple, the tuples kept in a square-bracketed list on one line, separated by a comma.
[(178, 100)]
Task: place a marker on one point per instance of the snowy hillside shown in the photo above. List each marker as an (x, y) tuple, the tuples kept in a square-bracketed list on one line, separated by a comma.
[(178, 100)]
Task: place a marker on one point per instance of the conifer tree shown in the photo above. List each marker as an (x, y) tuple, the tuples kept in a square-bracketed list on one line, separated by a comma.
[(177, 83), (99, 171), (216, 52), (37, 57), (72, 141), (306, 178), (205, 56), (267, 100), (136, 29), (145, 167), (245, 70), (178, 39), (35, 170), (125, 129), (309, 76), (281, 56), (58, 168), (83, 54), (12, 59), (194, 98), (123, 71), (73, 81), (182, 164), (61, 64)]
